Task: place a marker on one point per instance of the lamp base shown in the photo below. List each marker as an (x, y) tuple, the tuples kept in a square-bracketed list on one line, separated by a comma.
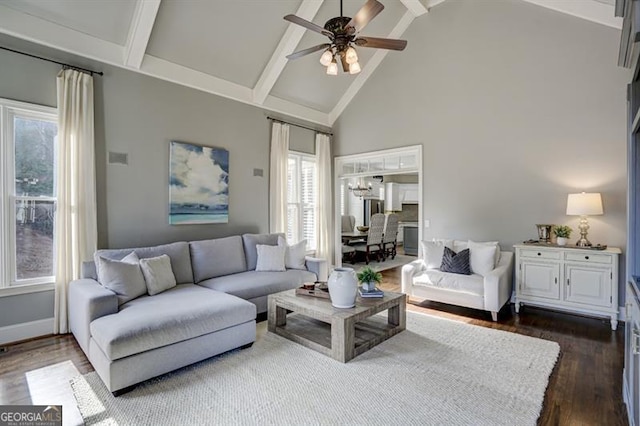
[(583, 227), (583, 242)]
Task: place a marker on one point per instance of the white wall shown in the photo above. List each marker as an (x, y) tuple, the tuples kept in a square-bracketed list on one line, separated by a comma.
[(515, 105)]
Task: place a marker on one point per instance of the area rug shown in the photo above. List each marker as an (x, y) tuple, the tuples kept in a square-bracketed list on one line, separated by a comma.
[(437, 372)]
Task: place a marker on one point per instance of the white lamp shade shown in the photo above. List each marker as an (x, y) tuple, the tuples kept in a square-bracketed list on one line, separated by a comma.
[(332, 69), (584, 204)]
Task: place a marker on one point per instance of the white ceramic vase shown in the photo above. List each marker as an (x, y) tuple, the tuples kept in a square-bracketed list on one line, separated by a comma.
[(561, 241), (343, 287)]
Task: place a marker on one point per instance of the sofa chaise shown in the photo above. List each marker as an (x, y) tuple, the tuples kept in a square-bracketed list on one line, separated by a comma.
[(488, 290), (211, 309)]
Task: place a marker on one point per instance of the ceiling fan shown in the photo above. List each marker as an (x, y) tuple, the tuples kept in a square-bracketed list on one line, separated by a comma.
[(343, 35)]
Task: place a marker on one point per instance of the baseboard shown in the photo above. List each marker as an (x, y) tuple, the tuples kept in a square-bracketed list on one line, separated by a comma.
[(25, 330)]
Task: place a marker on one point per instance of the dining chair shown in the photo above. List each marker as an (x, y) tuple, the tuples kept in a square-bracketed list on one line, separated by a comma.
[(373, 244), (390, 237)]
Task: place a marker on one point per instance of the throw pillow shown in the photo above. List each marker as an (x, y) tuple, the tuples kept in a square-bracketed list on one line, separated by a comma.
[(495, 244), (482, 258), (294, 255), (270, 258), (158, 274), (123, 277), (432, 252), (455, 263)]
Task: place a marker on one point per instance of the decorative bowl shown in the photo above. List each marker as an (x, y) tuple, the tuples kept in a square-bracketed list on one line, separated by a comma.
[(362, 228)]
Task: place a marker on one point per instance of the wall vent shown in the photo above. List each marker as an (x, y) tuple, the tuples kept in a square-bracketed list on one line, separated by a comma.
[(120, 158)]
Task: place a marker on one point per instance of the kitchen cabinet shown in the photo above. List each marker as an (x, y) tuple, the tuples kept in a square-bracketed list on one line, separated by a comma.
[(575, 280), (392, 201), (409, 193)]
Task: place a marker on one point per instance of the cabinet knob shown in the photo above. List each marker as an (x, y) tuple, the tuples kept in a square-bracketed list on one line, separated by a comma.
[(586, 257), (539, 254)]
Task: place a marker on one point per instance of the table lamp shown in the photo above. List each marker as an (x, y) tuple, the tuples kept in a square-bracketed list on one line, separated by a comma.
[(583, 205)]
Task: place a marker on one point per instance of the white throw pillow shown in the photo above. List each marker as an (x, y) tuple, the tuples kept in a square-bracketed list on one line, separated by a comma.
[(294, 255), (270, 258), (158, 274), (482, 257), (432, 252), (123, 277), (491, 243)]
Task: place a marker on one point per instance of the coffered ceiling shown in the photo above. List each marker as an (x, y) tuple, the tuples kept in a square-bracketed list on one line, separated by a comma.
[(232, 48)]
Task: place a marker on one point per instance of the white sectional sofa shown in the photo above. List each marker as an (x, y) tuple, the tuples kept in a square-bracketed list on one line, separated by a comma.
[(488, 291)]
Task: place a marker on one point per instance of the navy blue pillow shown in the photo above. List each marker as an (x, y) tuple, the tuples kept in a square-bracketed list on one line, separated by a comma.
[(456, 263)]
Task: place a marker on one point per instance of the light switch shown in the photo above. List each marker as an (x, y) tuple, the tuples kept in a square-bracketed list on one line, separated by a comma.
[(427, 223)]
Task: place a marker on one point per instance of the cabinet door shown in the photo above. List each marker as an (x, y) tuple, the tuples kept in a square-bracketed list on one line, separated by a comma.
[(540, 280), (591, 286)]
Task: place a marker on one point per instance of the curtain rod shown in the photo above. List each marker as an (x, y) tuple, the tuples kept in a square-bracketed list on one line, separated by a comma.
[(277, 120), (85, 70)]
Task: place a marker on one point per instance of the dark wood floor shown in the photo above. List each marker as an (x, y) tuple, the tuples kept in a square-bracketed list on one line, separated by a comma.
[(585, 387)]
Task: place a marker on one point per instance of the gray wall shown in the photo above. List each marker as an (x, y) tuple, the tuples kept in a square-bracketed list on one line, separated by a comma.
[(139, 115), (515, 106)]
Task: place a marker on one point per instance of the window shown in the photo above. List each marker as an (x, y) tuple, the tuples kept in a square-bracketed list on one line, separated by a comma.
[(28, 135), (301, 199)]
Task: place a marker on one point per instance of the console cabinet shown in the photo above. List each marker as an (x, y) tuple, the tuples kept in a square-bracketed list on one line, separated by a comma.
[(576, 280)]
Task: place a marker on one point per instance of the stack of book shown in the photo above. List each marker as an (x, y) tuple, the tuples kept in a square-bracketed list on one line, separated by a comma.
[(371, 293)]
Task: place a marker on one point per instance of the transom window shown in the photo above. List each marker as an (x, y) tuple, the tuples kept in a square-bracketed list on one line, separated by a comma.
[(28, 136)]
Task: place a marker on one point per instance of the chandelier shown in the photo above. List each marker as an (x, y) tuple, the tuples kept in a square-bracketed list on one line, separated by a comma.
[(360, 191)]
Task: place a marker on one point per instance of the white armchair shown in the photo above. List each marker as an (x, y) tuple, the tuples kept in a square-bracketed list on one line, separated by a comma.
[(489, 292)]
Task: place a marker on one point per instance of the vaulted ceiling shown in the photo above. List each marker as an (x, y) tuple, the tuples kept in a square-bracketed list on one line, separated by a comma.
[(232, 48)]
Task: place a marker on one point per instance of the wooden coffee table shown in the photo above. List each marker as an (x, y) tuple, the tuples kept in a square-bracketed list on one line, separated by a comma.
[(341, 334)]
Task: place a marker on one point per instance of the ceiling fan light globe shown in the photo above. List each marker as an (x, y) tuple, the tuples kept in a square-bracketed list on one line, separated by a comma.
[(326, 58), (351, 56), (354, 68), (332, 69)]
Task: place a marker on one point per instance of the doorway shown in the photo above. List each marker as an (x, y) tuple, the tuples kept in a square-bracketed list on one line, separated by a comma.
[(389, 181)]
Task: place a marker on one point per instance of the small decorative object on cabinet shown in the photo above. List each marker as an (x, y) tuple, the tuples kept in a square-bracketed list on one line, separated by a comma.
[(544, 233), (571, 279), (343, 287), (562, 233)]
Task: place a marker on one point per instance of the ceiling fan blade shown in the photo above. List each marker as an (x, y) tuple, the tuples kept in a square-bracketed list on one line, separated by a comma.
[(308, 25), (300, 53), (381, 43), (370, 10)]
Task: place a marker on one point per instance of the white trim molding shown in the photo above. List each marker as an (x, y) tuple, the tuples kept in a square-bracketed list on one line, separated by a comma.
[(142, 22), (288, 43), (26, 330), (591, 10)]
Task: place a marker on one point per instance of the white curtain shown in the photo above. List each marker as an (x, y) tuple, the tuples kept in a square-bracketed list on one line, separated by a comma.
[(75, 224), (278, 177), (324, 211)]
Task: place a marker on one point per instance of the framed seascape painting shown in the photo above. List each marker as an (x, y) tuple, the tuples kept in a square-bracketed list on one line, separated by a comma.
[(198, 184)]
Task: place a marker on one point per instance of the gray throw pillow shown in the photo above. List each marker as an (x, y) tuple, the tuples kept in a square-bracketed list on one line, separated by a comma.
[(123, 277), (456, 263), (158, 274)]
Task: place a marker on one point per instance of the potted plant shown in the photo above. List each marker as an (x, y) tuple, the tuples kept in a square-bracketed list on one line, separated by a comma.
[(563, 233), (369, 278)]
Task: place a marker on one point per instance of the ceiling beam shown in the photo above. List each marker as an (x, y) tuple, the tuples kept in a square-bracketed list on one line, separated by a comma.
[(415, 7), (142, 22), (369, 68), (288, 43), (594, 11)]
